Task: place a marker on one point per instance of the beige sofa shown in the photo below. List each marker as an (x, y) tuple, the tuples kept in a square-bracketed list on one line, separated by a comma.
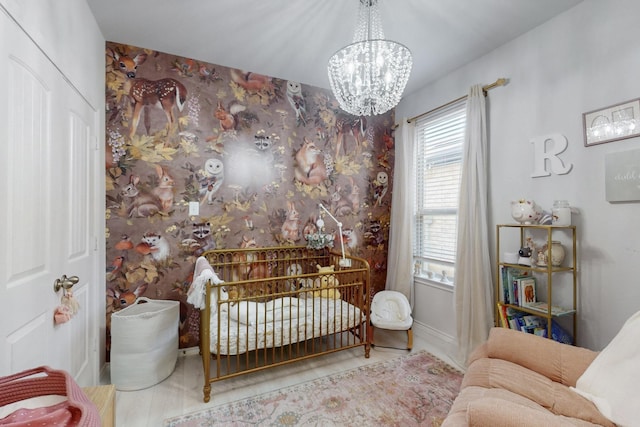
[(519, 379)]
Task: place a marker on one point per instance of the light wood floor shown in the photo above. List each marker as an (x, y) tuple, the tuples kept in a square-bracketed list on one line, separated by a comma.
[(181, 393)]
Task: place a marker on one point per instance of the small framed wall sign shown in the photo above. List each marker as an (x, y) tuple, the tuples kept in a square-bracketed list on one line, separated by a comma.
[(622, 176), (612, 123)]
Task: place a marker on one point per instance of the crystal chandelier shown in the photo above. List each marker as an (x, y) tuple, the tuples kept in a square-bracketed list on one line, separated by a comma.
[(369, 75)]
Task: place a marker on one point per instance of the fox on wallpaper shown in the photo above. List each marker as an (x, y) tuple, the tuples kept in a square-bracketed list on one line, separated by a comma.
[(256, 153), (310, 165)]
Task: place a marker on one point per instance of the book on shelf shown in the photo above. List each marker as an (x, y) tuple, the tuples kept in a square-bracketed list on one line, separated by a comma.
[(520, 321), (502, 312), (543, 307), (534, 325), (527, 287), (508, 275)]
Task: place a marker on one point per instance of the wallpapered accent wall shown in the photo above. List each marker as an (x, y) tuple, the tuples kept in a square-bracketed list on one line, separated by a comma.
[(256, 153)]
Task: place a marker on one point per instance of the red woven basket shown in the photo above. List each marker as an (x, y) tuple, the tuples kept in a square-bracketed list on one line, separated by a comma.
[(77, 410)]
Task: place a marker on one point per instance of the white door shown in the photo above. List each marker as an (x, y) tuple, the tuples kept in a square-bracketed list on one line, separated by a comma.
[(47, 149)]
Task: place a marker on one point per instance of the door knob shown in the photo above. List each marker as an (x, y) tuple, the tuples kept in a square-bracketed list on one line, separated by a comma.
[(65, 282)]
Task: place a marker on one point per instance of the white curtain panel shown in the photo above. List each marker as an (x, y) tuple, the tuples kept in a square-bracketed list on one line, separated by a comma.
[(400, 253), (473, 280)]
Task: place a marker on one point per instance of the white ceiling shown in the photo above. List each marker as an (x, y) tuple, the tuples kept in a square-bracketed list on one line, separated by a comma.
[(293, 39)]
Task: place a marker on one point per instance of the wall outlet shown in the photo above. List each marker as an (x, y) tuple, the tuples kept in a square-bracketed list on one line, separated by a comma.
[(194, 208)]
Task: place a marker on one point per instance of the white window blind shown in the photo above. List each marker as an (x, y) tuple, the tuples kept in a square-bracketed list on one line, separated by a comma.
[(438, 157)]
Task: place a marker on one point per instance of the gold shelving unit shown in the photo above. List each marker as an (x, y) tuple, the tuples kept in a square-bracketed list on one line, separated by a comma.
[(570, 267)]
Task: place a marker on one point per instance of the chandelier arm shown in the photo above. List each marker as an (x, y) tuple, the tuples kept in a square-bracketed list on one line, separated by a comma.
[(369, 23)]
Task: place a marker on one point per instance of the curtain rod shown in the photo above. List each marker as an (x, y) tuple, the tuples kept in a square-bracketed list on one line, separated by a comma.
[(500, 82)]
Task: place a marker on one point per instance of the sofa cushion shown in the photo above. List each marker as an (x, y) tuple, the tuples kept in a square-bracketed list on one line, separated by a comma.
[(482, 413), (551, 395), (559, 362), (459, 412)]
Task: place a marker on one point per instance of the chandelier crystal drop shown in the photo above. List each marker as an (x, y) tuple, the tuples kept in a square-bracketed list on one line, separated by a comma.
[(368, 76)]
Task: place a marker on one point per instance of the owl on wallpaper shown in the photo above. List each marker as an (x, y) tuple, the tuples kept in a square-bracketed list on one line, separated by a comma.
[(295, 98), (211, 179), (380, 187)]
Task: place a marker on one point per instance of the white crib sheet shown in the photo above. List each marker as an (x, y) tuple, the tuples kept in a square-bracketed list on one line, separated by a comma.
[(322, 317)]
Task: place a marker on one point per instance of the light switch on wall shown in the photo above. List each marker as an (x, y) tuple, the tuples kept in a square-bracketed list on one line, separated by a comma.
[(194, 208)]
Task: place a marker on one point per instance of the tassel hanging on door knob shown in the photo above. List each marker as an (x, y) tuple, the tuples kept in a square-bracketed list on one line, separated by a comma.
[(69, 306)]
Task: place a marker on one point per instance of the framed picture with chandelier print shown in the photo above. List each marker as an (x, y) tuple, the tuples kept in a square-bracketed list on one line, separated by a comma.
[(619, 121)]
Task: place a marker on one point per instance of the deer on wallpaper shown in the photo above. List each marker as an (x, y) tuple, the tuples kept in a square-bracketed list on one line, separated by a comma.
[(167, 94)]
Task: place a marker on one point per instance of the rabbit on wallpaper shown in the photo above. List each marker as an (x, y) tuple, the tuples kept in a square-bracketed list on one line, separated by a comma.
[(340, 205), (141, 204), (164, 190), (291, 225), (354, 196)]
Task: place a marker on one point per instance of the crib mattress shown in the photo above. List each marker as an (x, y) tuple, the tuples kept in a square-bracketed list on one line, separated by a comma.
[(320, 317)]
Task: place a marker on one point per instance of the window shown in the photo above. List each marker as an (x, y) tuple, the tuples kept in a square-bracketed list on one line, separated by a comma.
[(438, 165)]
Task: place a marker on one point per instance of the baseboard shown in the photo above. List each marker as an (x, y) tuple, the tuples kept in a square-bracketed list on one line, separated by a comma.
[(441, 342), (189, 351)]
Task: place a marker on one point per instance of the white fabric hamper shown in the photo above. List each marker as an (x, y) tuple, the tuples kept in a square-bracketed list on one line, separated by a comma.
[(144, 343)]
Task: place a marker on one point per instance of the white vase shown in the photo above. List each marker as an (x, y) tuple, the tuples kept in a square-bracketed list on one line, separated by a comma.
[(557, 254)]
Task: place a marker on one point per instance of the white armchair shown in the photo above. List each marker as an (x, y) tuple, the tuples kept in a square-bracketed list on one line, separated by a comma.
[(391, 310)]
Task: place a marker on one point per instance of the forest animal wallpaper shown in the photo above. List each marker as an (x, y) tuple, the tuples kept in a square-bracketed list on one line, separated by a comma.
[(254, 154)]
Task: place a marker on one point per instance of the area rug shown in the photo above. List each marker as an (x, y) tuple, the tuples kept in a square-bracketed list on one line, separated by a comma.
[(413, 390)]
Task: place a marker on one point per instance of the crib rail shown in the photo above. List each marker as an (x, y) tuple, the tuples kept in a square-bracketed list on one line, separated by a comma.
[(271, 310)]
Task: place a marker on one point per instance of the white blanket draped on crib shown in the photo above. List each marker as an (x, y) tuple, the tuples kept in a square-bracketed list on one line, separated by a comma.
[(197, 290)]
